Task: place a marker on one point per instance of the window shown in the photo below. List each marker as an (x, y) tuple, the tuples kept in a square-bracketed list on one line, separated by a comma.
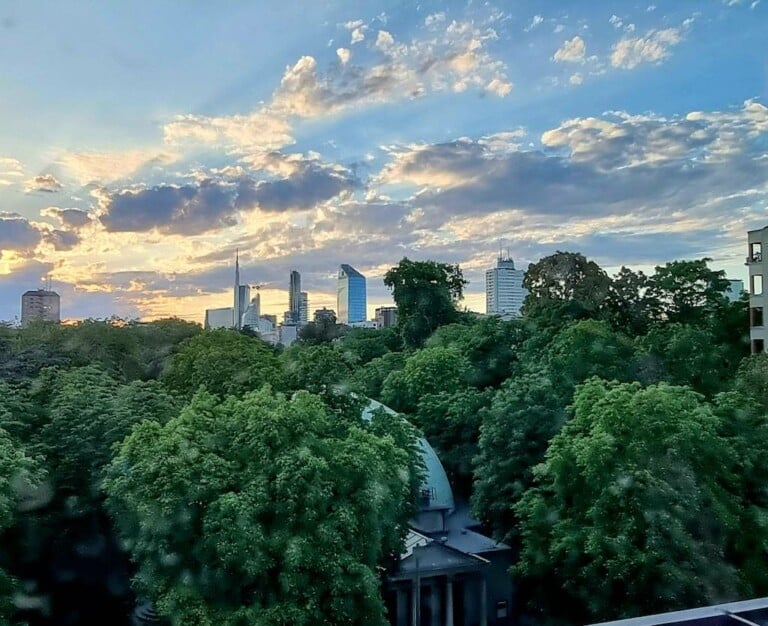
[(756, 316), (758, 346), (756, 285), (501, 609), (756, 252)]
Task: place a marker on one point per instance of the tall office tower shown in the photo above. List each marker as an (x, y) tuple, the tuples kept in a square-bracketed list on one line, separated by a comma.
[(303, 307), (351, 299), (504, 292), (242, 296), (757, 261), (294, 297), (41, 304)]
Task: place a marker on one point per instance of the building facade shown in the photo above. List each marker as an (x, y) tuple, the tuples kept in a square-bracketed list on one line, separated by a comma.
[(351, 297), (294, 297), (303, 308), (735, 289), (504, 291), (386, 316), (219, 318), (42, 305), (757, 262)]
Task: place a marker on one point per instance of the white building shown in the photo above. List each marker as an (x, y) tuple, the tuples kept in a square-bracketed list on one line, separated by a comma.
[(41, 305), (219, 318), (504, 292), (757, 262), (303, 308)]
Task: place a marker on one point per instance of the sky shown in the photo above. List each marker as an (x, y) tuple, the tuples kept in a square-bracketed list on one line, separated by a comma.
[(143, 143)]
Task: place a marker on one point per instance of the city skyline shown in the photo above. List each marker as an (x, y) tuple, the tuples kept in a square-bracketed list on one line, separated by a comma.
[(362, 134)]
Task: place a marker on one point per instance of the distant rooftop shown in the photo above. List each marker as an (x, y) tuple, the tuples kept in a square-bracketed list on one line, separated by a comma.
[(350, 271), (730, 614)]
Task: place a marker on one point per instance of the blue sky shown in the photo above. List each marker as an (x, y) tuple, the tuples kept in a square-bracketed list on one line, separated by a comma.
[(144, 142)]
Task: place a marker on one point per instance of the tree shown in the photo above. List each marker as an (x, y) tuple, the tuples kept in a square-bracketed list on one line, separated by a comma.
[(324, 330), (752, 380), (683, 354), (584, 349), (450, 422), (615, 515), (426, 293), (491, 345), (19, 477), (565, 277), (688, 290), (362, 345), (370, 378), (427, 371), (261, 510), (224, 362), (630, 305), (514, 432)]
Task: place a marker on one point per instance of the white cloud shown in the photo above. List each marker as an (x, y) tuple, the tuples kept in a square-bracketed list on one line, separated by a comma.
[(343, 54), (651, 8), (434, 19), (654, 47), (615, 20), (536, 21), (384, 40), (105, 167), (576, 79), (572, 51), (559, 28), (500, 87), (260, 130), (45, 183), (10, 170)]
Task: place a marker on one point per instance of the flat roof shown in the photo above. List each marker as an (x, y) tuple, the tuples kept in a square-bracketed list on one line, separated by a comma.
[(700, 615)]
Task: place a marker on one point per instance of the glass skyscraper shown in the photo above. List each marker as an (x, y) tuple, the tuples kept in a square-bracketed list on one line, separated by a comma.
[(351, 299)]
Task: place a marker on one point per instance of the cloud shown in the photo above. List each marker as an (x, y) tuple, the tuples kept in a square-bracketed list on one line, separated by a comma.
[(384, 40), (45, 183), (456, 59), (62, 239), (615, 21), (10, 170), (617, 165), (71, 218), (170, 209), (343, 54), (434, 19), (655, 47), (357, 28), (309, 184), (572, 51), (16, 233), (576, 79), (260, 130), (536, 21), (106, 167)]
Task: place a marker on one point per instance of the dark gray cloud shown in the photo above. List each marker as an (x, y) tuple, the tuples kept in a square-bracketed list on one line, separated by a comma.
[(45, 183), (310, 184), (62, 239), (71, 218), (183, 210), (16, 233)]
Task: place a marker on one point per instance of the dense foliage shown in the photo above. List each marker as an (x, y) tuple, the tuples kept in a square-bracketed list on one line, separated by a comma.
[(614, 436)]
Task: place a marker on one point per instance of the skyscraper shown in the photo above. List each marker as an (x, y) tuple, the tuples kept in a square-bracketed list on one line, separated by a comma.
[(351, 300), (40, 304), (294, 297), (242, 296), (303, 308), (504, 292)]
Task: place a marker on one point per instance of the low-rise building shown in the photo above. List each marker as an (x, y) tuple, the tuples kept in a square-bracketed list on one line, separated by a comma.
[(757, 262)]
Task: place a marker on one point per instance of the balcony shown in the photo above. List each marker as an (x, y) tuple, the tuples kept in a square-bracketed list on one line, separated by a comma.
[(757, 257)]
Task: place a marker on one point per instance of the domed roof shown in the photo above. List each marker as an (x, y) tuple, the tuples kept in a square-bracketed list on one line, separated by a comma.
[(435, 483)]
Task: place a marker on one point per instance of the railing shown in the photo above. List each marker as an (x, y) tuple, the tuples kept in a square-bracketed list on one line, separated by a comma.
[(757, 257)]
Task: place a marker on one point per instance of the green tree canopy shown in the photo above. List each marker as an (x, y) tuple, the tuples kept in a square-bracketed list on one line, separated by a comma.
[(566, 277), (225, 362), (616, 517), (426, 293), (261, 510)]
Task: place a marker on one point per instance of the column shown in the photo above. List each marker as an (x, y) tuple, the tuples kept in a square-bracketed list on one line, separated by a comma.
[(416, 603), (483, 603), (434, 603), (449, 602), (402, 607)]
